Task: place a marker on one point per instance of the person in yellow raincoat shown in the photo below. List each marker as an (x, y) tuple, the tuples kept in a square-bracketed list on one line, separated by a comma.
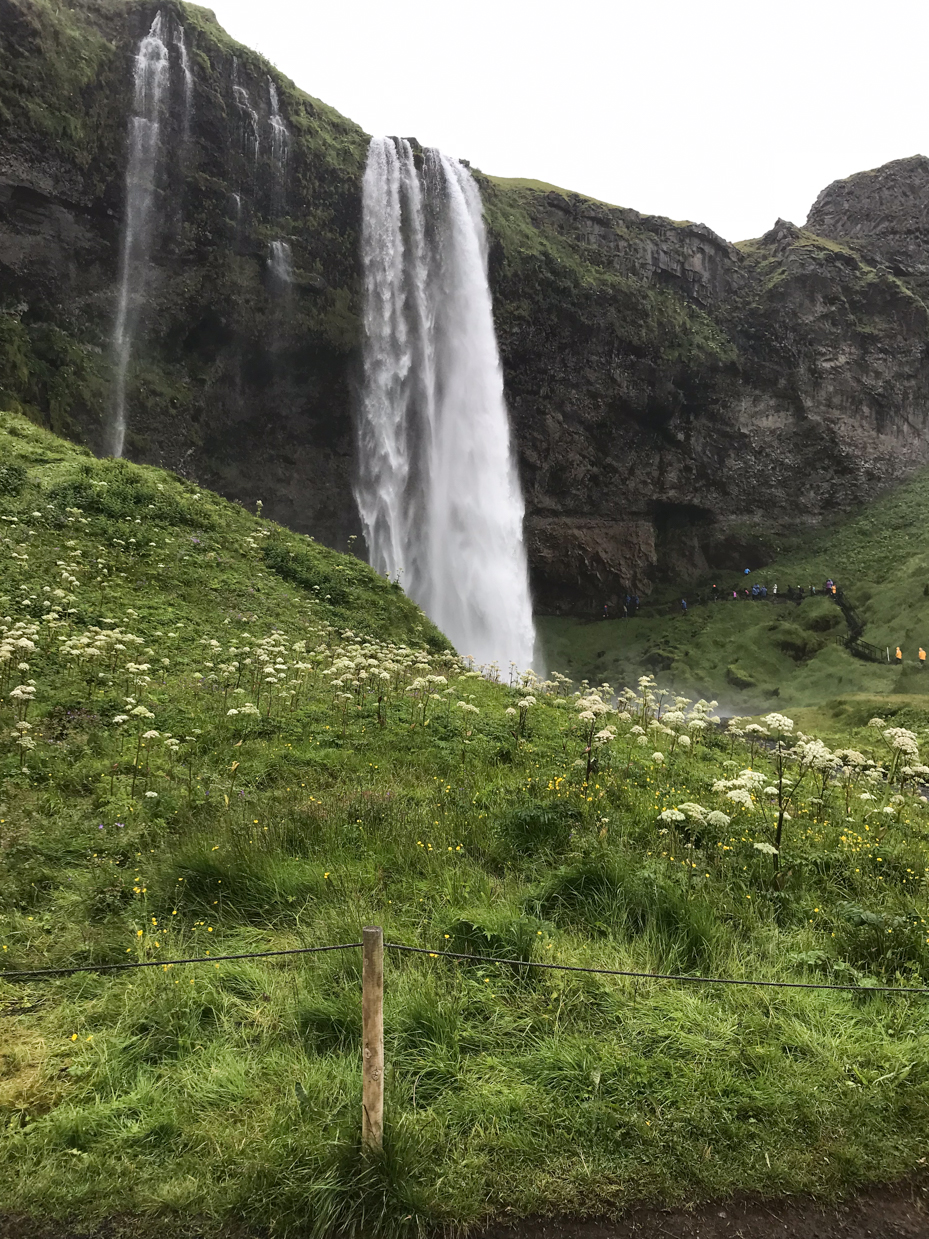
[(922, 658), (899, 655)]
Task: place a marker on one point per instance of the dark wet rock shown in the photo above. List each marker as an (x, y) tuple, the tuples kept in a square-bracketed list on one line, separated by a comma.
[(679, 403)]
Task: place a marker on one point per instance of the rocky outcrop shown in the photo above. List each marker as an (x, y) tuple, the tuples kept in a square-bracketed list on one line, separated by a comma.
[(680, 404), (885, 213), (683, 405)]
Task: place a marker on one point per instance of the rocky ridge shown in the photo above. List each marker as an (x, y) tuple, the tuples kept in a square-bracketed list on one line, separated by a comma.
[(679, 403)]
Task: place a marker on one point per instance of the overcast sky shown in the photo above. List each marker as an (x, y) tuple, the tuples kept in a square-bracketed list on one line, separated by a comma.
[(726, 112)]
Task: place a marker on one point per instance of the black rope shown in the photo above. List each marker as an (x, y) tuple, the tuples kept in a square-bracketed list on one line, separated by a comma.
[(17, 975), (656, 976)]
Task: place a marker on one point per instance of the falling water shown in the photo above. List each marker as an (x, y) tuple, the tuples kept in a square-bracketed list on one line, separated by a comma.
[(437, 487), (280, 148), (181, 46), (280, 263), (150, 76), (251, 138)]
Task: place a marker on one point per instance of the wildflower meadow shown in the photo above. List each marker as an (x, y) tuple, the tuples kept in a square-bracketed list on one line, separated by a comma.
[(218, 737)]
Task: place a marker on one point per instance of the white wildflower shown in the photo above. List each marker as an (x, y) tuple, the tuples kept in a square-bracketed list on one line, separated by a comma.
[(741, 796), (672, 815)]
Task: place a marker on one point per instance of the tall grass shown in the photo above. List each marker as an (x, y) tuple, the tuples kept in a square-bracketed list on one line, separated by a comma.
[(230, 1092)]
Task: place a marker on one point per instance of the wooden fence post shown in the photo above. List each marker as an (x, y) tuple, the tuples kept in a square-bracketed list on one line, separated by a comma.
[(372, 1037)]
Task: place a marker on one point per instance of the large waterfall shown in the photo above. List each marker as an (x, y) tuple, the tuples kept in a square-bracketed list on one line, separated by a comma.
[(437, 485), (150, 76)]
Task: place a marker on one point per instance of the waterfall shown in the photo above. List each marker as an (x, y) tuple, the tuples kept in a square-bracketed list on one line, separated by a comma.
[(251, 137), (280, 263), (437, 485), (280, 148), (150, 76), (181, 46)]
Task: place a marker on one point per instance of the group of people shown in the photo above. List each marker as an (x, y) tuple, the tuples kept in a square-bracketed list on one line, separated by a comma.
[(630, 604), (629, 608), (756, 590), (794, 593), (920, 657)]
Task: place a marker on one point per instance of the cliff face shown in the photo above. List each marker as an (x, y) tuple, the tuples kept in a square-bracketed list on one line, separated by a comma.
[(885, 212), (682, 404), (678, 402), (236, 379)]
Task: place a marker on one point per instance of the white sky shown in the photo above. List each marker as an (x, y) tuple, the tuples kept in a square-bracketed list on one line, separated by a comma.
[(727, 112)]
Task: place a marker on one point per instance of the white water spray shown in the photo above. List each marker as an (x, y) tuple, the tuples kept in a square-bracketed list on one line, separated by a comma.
[(437, 486), (150, 76), (251, 136), (280, 262), (280, 148), (181, 45)]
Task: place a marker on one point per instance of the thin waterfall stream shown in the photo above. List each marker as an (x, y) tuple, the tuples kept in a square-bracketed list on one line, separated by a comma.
[(181, 44), (251, 133), (150, 78), (280, 148), (280, 263), (437, 486)]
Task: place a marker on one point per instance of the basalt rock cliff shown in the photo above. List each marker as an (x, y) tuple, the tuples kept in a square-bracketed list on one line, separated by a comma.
[(679, 403)]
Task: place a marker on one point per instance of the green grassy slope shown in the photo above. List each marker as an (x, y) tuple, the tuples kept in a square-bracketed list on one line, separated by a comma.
[(305, 764), (751, 654)]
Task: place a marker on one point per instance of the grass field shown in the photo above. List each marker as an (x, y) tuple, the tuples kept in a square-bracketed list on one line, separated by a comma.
[(754, 654), (218, 736)]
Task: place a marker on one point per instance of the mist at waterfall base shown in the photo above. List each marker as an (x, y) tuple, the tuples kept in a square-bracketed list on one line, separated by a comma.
[(437, 485)]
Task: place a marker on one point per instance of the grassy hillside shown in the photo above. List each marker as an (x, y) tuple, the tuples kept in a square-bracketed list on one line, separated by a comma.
[(753, 654), (218, 736)]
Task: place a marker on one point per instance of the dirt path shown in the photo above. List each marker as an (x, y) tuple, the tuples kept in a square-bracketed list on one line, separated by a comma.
[(898, 1212)]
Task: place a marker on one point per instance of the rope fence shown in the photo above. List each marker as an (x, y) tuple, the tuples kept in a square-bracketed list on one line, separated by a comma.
[(22, 975), (655, 976), (373, 946), (16, 974)]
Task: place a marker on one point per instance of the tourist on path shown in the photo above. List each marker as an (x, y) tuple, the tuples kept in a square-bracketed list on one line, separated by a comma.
[(922, 658), (899, 655)]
